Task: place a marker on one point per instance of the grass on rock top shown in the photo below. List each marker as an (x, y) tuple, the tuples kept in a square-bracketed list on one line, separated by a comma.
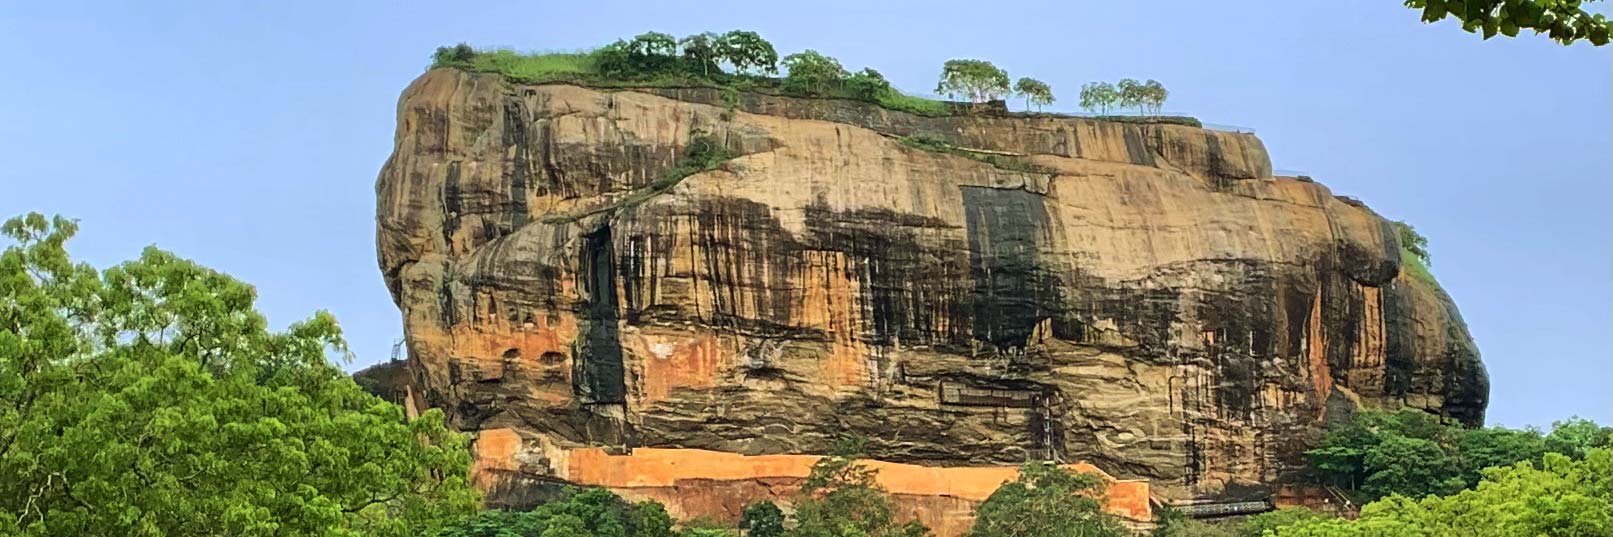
[(582, 68)]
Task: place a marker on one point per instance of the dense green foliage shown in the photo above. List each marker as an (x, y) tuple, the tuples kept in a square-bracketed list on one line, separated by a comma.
[(1147, 97), (1413, 453), (1558, 496), (1566, 21), (976, 80), (1046, 501), (736, 60), (152, 399), (742, 61), (867, 84), (762, 519), (1099, 97), (1258, 525), (1414, 252), (1035, 92), (811, 73), (840, 498), (590, 512)]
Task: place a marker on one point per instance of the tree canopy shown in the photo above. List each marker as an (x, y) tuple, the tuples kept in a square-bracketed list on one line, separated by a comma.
[(812, 73), (1557, 496), (1564, 21), (1099, 96), (592, 512), (976, 80), (840, 498), (746, 51), (1047, 501), (1034, 91), (1413, 453), (152, 399)]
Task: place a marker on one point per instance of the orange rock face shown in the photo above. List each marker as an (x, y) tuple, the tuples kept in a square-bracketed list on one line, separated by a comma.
[(1147, 298), (697, 482)]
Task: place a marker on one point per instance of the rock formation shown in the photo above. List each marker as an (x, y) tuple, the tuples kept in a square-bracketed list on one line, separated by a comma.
[(1147, 298)]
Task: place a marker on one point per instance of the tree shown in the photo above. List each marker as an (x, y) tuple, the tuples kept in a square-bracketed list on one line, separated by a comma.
[(1131, 94), (977, 80), (1576, 436), (458, 55), (1035, 92), (867, 84), (592, 512), (653, 44), (1046, 500), (762, 519), (840, 498), (152, 399), (1566, 21), (1257, 525), (701, 50), (747, 51), (1486, 447), (1098, 96), (1559, 496), (811, 73), (1172, 522), (1413, 242), (1154, 95)]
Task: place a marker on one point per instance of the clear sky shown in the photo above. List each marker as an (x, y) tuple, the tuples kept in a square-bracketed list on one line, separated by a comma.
[(248, 135)]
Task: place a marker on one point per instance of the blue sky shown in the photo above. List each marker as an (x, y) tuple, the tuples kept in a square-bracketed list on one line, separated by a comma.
[(247, 136)]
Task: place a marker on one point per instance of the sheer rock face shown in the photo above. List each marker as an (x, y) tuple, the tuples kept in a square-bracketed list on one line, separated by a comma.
[(1155, 302)]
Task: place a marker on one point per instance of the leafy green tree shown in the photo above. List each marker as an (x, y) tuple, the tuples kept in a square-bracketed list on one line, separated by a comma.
[(1131, 94), (456, 56), (647, 54), (1172, 522), (1414, 453), (977, 80), (1411, 449), (1559, 496), (1576, 436), (867, 84), (1566, 21), (811, 73), (1256, 526), (152, 399), (840, 498), (653, 44), (1099, 96), (1413, 242), (1153, 95), (1409, 466), (592, 512), (762, 519), (1496, 446), (1047, 501), (1035, 92), (614, 60), (747, 51), (700, 50)]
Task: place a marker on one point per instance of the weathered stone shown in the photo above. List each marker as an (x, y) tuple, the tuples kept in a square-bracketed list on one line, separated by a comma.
[(1158, 305)]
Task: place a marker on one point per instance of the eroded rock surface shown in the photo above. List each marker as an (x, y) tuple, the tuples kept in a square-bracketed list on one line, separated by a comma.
[(1150, 300)]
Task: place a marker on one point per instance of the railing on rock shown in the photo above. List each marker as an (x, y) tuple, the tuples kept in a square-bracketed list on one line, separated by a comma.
[(1228, 128), (1207, 510)]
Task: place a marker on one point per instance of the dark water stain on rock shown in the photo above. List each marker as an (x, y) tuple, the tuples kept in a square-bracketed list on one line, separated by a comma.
[(1012, 291), (599, 375)]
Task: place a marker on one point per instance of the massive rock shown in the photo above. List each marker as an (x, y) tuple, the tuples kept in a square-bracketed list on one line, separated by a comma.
[(1144, 297)]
